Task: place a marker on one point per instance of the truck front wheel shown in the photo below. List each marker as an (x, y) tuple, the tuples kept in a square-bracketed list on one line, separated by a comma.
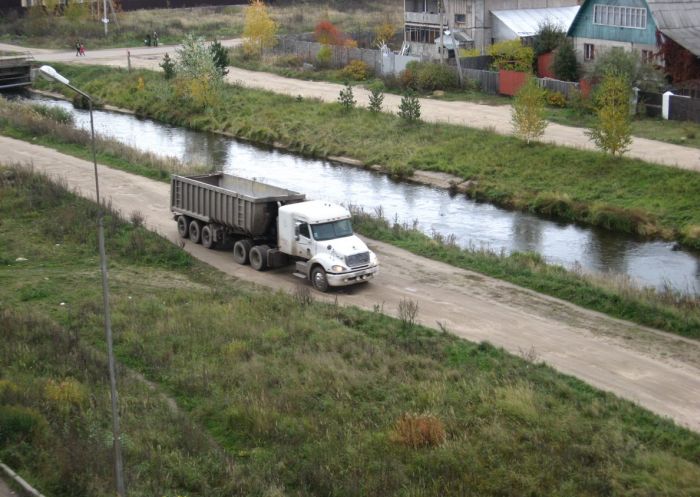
[(318, 279), (195, 231), (241, 251), (183, 227)]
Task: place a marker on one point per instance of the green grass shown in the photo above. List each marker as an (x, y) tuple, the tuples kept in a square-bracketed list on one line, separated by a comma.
[(619, 194), (306, 399), (666, 310)]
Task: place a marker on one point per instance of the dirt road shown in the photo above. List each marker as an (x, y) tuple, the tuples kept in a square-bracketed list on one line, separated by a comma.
[(659, 371), (464, 113)]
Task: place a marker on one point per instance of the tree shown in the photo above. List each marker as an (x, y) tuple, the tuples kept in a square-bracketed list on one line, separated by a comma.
[(326, 33), (549, 36), (409, 108), (612, 129), (384, 33), (511, 55), (628, 65), (198, 77), (168, 66), (346, 98), (376, 99), (259, 29), (220, 56), (528, 111), (565, 65)]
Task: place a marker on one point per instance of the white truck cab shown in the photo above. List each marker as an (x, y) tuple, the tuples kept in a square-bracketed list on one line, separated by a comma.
[(319, 235)]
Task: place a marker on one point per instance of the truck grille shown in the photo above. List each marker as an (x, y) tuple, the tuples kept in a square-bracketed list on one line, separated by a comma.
[(355, 260)]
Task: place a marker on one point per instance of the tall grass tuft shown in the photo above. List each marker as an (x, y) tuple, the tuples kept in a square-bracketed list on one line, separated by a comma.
[(418, 431)]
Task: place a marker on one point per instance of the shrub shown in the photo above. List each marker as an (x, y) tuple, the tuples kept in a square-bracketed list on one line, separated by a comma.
[(376, 99), (20, 423), (56, 114), (409, 108), (327, 33), (324, 56), (565, 65), (429, 76), (407, 79), (416, 431), (168, 66), (528, 111), (357, 70), (220, 56), (289, 60), (511, 55), (556, 99), (549, 37), (612, 130), (346, 98)]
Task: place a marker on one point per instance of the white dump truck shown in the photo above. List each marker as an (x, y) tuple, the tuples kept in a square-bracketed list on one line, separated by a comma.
[(271, 227)]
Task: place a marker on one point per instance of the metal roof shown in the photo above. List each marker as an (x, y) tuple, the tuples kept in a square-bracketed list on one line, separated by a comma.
[(527, 22), (679, 20)]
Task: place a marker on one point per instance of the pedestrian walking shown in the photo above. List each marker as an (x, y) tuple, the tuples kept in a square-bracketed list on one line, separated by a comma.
[(81, 50), (77, 48), (155, 39), (147, 41)]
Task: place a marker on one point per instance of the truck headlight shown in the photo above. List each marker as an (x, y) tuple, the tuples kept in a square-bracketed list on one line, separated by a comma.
[(338, 268)]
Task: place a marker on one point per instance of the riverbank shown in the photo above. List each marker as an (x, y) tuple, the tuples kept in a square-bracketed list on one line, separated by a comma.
[(573, 185), (271, 376), (616, 296)]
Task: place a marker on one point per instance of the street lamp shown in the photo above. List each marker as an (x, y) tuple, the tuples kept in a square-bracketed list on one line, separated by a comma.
[(50, 73)]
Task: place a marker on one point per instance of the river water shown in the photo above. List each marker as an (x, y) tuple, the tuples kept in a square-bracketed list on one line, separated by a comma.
[(649, 263)]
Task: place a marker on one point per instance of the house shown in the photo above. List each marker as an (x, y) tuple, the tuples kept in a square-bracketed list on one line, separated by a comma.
[(469, 22), (524, 24)]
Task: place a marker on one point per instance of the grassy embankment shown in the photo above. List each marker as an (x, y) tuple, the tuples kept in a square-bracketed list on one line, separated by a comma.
[(305, 398), (667, 310), (676, 132), (36, 29), (574, 185)]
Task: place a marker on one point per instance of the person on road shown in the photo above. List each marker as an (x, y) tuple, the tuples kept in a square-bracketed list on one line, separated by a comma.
[(147, 41), (81, 50), (155, 39), (77, 48)]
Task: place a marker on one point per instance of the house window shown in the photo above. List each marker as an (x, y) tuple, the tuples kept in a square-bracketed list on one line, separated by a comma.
[(421, 35), (647, 56), (588, 51), (621, 17), (460, 18)]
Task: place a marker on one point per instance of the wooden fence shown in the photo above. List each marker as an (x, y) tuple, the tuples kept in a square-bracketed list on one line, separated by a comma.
[(556, 85), (682, 108), (340, 56), (486, 81)]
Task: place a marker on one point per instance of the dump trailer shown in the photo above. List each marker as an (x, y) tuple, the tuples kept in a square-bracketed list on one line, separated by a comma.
[(270, 227)]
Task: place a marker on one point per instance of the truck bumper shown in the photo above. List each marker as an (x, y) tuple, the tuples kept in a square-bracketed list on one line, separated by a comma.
[(351, 278)]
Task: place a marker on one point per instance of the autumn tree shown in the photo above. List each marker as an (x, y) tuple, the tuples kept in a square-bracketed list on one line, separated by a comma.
[(327, 33), (259, 29), (611, 131), (528, 111), (384, 33), (197, 76)]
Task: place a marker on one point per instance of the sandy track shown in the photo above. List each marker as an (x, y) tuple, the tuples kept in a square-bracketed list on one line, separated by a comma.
[(474, 115), (659, 371)]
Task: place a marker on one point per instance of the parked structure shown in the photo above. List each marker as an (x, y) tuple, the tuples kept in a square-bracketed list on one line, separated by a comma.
[(467, 20), (632, 25), (525, 23)]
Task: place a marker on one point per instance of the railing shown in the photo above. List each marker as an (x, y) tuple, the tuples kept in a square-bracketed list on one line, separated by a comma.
[(422, 17)]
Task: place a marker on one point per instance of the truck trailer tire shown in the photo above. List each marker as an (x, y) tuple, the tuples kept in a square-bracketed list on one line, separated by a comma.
[(183, 226), (318, 279), (195, 231), (258, 257), (241, 251), (208, 236)]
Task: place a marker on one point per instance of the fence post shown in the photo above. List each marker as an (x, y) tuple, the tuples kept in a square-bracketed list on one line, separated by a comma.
[(666, 104)]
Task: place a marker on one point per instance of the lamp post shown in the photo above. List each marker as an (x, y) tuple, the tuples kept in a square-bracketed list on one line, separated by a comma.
[(51, 73)]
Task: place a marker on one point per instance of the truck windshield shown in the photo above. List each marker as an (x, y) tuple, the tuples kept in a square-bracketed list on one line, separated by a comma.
[(329, 231)]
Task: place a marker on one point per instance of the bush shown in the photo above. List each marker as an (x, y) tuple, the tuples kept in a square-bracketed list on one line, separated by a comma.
[(220, 56), (549, 37), (376, 99), (511, 55), (56, 114), (324, 56), (428, 76), (565, 65), (289, 60), (409, 109), (20, 423), (168, 66), (346, 98), (556, 99), (357, 70), (416, 431)]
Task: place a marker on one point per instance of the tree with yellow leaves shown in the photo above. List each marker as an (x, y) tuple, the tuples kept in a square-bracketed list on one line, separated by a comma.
[(259, 30)]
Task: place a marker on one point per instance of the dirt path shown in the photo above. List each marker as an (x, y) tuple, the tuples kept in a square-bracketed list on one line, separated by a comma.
[(659, 371), (464, 113)]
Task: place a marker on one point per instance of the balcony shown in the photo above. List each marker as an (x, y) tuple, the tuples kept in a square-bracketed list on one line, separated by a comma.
[(422, 18)]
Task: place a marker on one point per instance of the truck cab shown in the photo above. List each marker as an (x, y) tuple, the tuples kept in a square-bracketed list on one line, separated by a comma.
[(319, 236)]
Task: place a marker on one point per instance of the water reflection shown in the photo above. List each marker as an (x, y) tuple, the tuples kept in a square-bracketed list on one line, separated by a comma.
[(474, 224)]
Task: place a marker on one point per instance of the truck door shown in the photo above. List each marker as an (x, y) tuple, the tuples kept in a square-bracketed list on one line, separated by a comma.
[(303, 240)]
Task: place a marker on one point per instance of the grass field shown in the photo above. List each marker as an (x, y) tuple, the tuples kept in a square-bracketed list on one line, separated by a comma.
[(574, 185), (301, 398), (36, 29), (667, 310)]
